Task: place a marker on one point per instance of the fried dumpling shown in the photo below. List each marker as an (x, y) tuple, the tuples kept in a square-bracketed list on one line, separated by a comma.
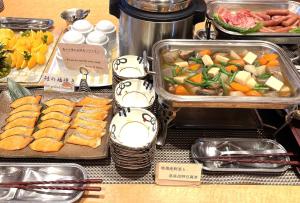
[(49, 132), (93, 101), (88, 122), (101, 115), (53, 123), (27, 107), (15, 142), (91, 132), (80, 139), (16, 131), (61, 101), (24, 121), (23, 114), (56, 115), (46, 144), (25, 100), (93, 108), (67, 110)]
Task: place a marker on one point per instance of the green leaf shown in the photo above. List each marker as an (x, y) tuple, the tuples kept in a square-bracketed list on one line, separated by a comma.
[(16, 90), (218, 20), (295, 30)]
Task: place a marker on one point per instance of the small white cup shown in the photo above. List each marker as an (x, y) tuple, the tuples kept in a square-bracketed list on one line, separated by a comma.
[(97, 38), (82, 26), (71, 37), (109, 29)]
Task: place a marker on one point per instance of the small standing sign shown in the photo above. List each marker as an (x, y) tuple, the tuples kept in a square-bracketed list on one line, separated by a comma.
[(58, 83), (178, 174)]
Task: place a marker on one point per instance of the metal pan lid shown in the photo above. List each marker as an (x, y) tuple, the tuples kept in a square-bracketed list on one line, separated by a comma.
[(160, 6)]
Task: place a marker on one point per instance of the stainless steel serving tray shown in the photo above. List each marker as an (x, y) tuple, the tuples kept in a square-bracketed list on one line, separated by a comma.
[(287, 68), (15, 23), (207, 147), (12, 172), (278, 38)]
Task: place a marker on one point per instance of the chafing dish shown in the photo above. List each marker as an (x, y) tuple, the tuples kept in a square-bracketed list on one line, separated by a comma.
[(22, 172), (170, 104), (278, 38), (287, 69), (209, 147)]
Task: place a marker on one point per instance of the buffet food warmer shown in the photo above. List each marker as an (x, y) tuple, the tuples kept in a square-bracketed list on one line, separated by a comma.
[(172, 103), (275, 37)]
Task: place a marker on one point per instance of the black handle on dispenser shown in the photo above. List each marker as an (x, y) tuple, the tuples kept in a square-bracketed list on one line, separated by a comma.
[(200, 11), (114, 8)]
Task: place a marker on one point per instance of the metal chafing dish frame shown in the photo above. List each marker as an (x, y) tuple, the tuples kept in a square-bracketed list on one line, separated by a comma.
[(170, 103), (222, 33)]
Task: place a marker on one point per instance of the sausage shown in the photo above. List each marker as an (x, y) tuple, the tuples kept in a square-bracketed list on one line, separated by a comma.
[(270, 23), (295, 25), (284, 29), (275, 27), (290, 21), (257, 17), (263, 15), (273, 12), (265, 29)]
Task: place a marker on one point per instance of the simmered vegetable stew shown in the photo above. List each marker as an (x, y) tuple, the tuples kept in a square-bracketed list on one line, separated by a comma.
[(224, 73)]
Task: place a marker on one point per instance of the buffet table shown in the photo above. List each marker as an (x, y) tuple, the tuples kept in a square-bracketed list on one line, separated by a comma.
[(147, 192)]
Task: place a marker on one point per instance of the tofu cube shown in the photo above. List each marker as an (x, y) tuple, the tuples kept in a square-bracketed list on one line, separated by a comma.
[(251, 83), (260, 70), (242, 77), (250, 57), (274, 83), (251, 69), (234, 55), (207, 60), (182, 64), (180, 79), (222, 59), (213, 71)]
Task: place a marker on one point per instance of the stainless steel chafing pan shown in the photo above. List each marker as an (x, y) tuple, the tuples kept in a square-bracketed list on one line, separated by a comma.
[(278, 38), (287, 68)]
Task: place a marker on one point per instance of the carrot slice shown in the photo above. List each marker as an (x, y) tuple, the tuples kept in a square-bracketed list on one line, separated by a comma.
[(238, 87), (273, 63), (181, 90), (262, 61), (205, 52), (239, 62), (231, 68), (196, 78), (270, 57), (253, 93), (194, 67)]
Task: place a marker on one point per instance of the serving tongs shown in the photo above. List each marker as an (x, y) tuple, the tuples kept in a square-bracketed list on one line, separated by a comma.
[(25, 23)]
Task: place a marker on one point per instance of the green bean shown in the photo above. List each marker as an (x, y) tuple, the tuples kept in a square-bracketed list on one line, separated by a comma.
[(224, 71), (170, 80), (197, 60), (264, 76), (232, 77)]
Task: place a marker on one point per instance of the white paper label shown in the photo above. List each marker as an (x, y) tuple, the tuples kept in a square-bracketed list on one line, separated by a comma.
[(58, 83), (90, 56)]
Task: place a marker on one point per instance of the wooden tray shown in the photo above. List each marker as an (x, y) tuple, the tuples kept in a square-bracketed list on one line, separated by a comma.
[(68, 151)]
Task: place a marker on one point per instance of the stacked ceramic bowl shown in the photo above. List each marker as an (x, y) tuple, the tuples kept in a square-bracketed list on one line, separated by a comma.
[(134, 93), (129, 67), (133, 134)]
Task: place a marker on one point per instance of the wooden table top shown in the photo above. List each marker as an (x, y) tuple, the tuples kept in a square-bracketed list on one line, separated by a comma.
[(147, 192)]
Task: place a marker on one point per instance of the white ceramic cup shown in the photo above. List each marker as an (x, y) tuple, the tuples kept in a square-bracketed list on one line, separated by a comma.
[(97, 38), (109, 29), (82, 26), (71, 37)]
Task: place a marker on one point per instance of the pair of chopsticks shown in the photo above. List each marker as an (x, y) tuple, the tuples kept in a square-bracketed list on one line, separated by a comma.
[(44, 185), (249, 159)]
